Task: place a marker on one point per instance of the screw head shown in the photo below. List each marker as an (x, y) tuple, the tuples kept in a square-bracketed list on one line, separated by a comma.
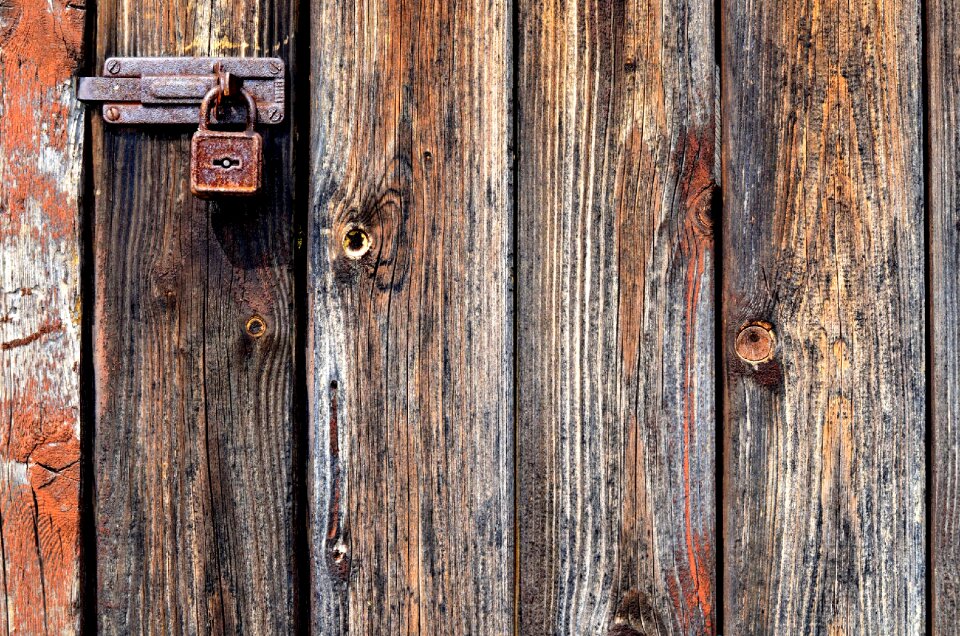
[(755, 343), (111, 113), (113, 67), (274, 114), (275, 68)]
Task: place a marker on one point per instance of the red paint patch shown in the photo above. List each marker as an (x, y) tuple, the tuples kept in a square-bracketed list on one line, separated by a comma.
[(40, 55), (39, 508), (40, 45)]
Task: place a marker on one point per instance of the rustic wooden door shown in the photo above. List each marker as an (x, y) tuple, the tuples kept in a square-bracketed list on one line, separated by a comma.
[(561, 317)]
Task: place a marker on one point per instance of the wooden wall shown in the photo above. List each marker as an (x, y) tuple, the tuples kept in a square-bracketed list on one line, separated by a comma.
[(615, 317), (561, 317)]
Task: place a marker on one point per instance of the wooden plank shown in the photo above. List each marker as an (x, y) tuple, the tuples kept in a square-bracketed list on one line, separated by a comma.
[(41, 141), (616, 322), (942, 49), (193, 347), (823, 256), (410, 338)]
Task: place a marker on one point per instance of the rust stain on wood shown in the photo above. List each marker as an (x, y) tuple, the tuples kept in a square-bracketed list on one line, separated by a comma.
[(697, 188), (45, 328)]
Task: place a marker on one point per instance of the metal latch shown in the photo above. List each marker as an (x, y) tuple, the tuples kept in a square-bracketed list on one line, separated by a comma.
[(169, 90)]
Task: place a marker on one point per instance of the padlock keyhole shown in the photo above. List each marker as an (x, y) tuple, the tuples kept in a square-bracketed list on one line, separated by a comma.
[(226, 163)]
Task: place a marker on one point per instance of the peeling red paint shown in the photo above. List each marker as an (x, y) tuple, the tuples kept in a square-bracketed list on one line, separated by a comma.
[(39, 57), (40, 46), (40, 513)]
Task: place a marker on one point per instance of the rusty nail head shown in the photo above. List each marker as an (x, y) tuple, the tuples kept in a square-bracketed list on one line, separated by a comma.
[(113, 67), (755, 343), (112, 113)]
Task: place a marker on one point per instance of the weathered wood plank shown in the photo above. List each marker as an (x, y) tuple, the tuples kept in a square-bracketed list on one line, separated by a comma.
[(410, 342), (194, 409), (942, 52), (823, 255), (41, 135), (616, 322)]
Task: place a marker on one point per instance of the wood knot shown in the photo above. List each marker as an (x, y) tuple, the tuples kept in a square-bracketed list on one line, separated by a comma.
[(756, 347), (10, 12), (256, 326), (635, 616), (338, 563), (356, 242)]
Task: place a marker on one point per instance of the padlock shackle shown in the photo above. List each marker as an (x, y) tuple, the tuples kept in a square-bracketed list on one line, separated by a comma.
[(214, 92)]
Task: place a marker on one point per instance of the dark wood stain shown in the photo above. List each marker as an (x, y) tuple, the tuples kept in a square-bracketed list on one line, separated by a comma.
[(194, 416)]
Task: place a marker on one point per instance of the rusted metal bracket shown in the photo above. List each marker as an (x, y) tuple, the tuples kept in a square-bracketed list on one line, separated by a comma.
[(168, 90)]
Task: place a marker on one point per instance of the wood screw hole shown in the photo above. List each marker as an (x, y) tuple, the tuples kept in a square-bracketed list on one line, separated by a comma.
[(256, 326), (356, 243)]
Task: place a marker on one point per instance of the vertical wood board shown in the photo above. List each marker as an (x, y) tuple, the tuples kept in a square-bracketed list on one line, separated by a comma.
[(823, 259), (615, 317), (410, 339), (942, 50), (194, 349), (41, 141)]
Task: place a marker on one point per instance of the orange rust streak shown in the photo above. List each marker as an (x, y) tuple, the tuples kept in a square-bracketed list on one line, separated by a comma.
[(697, 186)]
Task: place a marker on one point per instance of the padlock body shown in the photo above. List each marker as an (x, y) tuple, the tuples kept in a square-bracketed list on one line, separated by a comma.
[(225, 163)]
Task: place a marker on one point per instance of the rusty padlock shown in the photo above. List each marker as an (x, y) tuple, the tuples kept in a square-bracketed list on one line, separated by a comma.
[(225, 163)]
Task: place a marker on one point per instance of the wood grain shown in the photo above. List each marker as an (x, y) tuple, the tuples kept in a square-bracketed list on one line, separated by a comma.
[(823, 244), (942, 49), (410, 343), (194, 410), (615, 317), (41, 142)]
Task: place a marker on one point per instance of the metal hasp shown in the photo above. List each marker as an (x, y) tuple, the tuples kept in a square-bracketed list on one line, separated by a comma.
[(168, 90)]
